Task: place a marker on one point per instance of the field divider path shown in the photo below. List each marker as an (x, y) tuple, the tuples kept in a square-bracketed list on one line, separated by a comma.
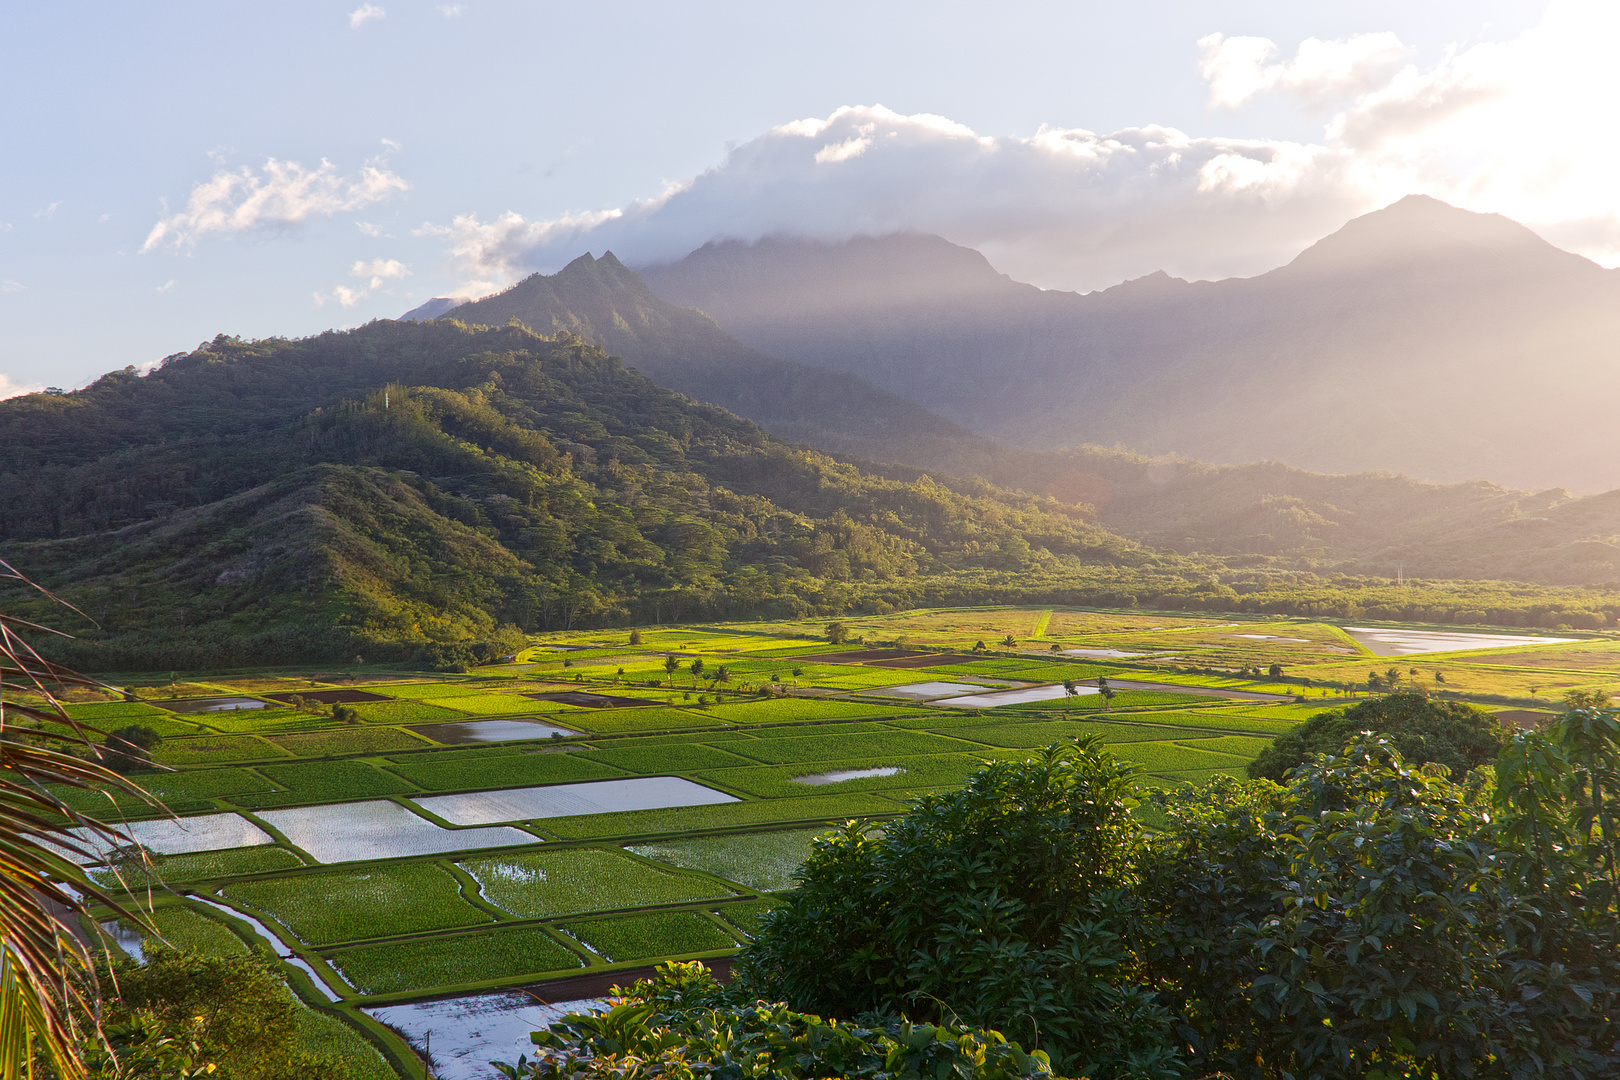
[(473, 892)]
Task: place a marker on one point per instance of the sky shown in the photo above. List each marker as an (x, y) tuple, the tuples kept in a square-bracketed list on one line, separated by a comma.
[(172, 172)]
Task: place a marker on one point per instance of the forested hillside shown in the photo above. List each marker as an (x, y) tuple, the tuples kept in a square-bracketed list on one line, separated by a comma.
[(431, 490), (609, 305)]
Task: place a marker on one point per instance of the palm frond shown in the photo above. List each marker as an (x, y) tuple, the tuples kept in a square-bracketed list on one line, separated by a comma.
[(48, 989)]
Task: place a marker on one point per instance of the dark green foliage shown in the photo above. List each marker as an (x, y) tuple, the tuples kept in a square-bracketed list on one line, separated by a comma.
[(1458, 736), (231, 1012), (1005, 904), (271, 504), (129, 749), (1371, 920), (682, 1026)]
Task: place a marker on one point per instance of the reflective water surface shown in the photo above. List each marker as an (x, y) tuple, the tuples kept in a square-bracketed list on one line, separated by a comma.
[(569, 800)]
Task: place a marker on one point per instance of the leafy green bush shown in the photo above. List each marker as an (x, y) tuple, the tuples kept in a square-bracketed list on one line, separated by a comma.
[(229, 1017), (1372, 920), (1458, 736), (683, 1026), (1005, 904)]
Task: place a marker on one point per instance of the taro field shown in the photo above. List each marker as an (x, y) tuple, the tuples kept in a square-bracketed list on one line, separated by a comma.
[(608, 800)]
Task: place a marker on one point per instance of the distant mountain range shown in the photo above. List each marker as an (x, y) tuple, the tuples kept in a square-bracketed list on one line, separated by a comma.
[(1419, 339), (1369, 523)]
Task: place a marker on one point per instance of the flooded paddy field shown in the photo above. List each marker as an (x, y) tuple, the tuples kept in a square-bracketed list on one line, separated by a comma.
[(585, 810)]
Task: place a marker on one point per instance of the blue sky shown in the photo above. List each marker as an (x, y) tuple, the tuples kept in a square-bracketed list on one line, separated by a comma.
[(321, 164)]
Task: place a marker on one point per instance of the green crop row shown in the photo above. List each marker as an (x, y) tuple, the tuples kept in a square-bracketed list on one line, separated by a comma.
[(404, 712), (923, 771), (503, 953), (322, 782), (460, 770), (721, 816), (1031, 735), (216, 750), (746, 915), (781, 709), (348, 740), (1163, 757), (350, 905), (836, 745), (201, 866), (544, 883), (766, 861), (674, 758), (642, 937), (185, 928), (612, 721)]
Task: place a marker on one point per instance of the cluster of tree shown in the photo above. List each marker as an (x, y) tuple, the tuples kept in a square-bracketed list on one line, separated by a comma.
[(1367, 918), (187, 1016), (1459, 736)]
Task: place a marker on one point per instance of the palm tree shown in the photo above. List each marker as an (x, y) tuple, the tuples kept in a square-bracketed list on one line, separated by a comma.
[(697, 670), (47, 980)]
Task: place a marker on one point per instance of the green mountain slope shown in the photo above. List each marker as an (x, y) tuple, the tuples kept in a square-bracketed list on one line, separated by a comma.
[(609, 305), (432, 489)]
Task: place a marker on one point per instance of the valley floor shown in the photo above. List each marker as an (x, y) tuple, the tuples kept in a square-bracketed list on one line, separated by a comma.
[(584, 809)]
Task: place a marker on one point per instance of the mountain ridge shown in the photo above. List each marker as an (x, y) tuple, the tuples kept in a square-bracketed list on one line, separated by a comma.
[(1419, 339)]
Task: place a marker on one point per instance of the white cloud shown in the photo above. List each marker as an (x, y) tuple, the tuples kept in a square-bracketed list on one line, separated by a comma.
[(1237, 71), (10, 286), (49, 211), (166, 286), (391, 144), (450, 11), (1064, 206), (380, 270), (365, 13), (343, 294), (1519, 127), (368, 228), (282, 195), (5, 226), (10, 389)]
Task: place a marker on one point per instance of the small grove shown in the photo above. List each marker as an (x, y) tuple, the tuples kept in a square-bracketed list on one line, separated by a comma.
[(1365, 918)]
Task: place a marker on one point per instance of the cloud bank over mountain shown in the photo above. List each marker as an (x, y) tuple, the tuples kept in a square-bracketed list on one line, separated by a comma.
[(1490, 127)]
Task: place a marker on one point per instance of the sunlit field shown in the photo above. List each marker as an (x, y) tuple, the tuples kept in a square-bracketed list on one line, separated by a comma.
[(598, 803)]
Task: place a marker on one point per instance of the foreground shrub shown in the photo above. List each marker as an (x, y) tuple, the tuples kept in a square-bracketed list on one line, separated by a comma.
[(1459, 736), (182, 1015), (1369, 921), (1008, 904), (682, 1025)]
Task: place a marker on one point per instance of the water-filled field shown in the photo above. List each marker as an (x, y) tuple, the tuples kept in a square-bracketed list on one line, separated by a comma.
[(464, 833)]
